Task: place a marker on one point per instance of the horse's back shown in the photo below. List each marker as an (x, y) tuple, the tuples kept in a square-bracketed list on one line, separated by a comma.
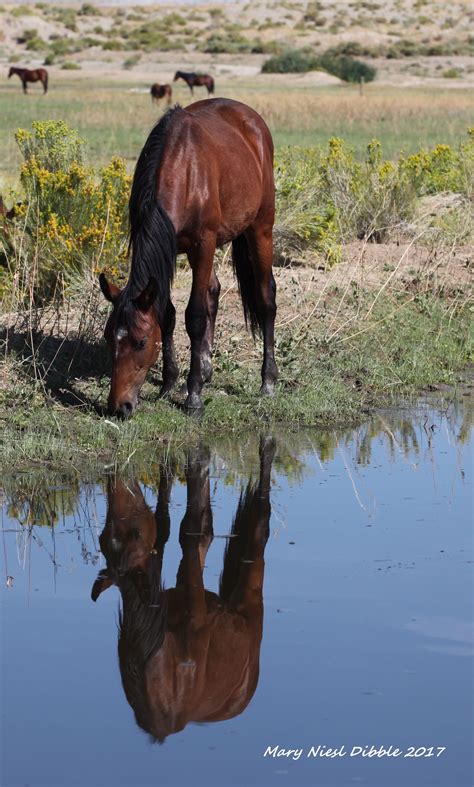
[(225, 114)]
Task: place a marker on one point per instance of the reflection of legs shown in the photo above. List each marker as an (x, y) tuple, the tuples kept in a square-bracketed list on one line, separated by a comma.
[(162, 512), (261, 250), (242, 577), (196, 534), (170, 367), (201, 261)]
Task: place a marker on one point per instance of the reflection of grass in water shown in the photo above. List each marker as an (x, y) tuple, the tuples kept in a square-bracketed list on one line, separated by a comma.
[(45, 497), (115, 121)]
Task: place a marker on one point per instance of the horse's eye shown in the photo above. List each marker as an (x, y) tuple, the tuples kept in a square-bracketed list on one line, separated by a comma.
[(141, 344)]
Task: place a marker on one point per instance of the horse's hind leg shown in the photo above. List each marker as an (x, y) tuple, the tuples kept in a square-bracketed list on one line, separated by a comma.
[(260, 241), (207, 348), (242, 578), (197, 318), (25, 89), (170, 367)]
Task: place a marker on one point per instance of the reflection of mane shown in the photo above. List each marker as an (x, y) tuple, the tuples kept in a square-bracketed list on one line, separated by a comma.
[(142, 631), (187, 654)]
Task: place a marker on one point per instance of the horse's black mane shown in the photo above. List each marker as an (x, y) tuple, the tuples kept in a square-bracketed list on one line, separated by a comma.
[(152, 234), (142, 627)]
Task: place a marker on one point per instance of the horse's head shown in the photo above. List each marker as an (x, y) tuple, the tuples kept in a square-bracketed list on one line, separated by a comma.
[(12, 71), (127, 541), (176, 76), (133, 335)]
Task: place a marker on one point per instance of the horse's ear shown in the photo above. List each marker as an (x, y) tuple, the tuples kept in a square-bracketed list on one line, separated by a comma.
[(102, 582), (110, 291), (145, 300)]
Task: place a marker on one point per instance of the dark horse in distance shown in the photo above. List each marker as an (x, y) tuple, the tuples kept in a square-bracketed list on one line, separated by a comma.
[(30, 75), (195, 80), (187, 654), (204, 178), (161, 91)]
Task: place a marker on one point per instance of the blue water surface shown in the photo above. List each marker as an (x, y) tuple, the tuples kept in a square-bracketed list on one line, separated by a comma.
[(367, 633)]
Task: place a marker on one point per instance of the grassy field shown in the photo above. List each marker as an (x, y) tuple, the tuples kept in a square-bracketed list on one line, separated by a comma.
[(359, 323), (115, 120)]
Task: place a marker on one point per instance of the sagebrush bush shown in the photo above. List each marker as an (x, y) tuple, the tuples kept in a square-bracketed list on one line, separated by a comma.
[(71, 218), (326, 197), (301, 60), (290, 61)]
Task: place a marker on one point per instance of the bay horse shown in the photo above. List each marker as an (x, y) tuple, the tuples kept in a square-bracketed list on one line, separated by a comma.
[(187, 654), (30, 75), (195, 80), (203, 178), (160, 91)]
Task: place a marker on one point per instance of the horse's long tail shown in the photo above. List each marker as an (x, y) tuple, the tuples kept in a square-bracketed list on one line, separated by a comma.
[(243, 270), (152, 234), (45, 83)]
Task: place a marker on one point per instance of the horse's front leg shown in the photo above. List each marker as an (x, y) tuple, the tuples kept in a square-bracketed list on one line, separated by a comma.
[(197, 318), (170, 367), (25, 90)]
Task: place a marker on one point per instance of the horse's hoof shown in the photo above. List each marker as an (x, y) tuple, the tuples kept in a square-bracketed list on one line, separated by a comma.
[(193, 404), (165, 392), (267, 389)]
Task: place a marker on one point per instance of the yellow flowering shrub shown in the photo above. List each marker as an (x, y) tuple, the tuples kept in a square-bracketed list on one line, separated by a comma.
[(325, 196), (73, 217)]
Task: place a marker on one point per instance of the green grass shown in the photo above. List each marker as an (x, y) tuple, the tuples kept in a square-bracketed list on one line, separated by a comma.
[(322, 382), (115, 121)]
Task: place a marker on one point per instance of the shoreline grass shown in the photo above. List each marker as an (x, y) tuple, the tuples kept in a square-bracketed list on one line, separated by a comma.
[(407, 346)]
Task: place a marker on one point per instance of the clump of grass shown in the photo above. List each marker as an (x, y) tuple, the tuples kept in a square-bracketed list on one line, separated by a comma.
[(452, 73), (131, 61), (70, 66)]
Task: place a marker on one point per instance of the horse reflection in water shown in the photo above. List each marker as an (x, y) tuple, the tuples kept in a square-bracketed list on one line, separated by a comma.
[(187, 654)]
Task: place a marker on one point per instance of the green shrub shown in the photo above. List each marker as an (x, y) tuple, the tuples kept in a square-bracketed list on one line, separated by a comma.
[(452, 73), (71, 218), (68, 66), (87, 9), (232, 43), (36, 44), (21, 10), (61, 47), (325, 196), (66, 17), (346, 68), (131, 61), (290, 61), (302, 60)]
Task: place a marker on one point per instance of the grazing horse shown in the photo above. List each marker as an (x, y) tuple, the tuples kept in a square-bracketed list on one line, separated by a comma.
[(195, 80), (187, 654), (204, 178), (160, 91), (30, 75)]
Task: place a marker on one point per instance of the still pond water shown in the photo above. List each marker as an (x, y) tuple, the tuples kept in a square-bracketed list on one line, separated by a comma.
[(335, 611)]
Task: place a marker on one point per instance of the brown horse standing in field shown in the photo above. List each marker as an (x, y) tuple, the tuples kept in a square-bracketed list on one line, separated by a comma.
[(187, 654), (160, 91), (195, 80), (204, 178), (30, 75)]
